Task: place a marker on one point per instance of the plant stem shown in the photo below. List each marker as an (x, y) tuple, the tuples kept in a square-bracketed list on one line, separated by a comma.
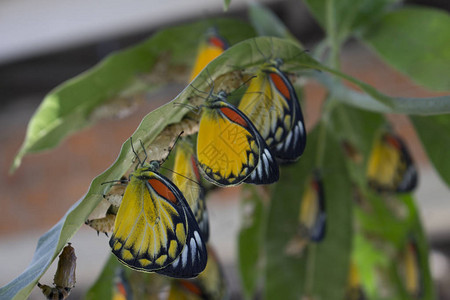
[(310, 268), (332, 33)]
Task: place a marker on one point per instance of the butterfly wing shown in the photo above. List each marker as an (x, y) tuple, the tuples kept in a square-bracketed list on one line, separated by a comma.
[(412, 273), (194, 256), (150, 230), (230, 150), (312, 211), (390, 167), (186, 168), (271, 104), (209, 49)]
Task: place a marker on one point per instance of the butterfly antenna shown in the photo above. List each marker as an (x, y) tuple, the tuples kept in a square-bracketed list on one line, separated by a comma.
[(211, 84), (259, 50), (301, 53), (272, 47), (173, 145), (190, 179), (245, 82), (145, 151), (194, 109), (115, 181), (196, 89), (134, 151)]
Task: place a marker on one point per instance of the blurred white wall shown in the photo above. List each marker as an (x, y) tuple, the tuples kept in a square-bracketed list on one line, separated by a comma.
[(29, 28)]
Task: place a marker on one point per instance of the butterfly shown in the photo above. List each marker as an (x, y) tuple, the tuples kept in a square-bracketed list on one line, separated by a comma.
[(155, 230), (411, 270), (121, 288), (209, 49), (271, 103), (354, 288), (64, 279), (186, 176), (230, 149), (390, 167), (210, 284), (312, 217)]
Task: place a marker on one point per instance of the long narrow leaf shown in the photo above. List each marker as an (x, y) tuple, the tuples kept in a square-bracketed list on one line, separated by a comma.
[(289, 276), (118, 80)]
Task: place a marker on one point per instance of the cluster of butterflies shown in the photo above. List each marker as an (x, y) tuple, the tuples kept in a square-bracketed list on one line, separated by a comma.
[(161, 225), (390, 170)]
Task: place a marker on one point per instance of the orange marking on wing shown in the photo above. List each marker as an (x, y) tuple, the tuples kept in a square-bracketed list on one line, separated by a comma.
[(392, 140), (217, 42), (280, 85), (195, 167), (191, 287), (163, 190), (315, 185), (233, 116), (121, 289)]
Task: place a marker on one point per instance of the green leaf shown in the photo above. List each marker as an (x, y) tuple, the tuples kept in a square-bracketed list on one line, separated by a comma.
[(102, 288), (375, 101), (345, 16), (251, 237), (226, 4), (119, 80), (289, 276), (266, 23), (377, 249), (156, 134), (434, 134), (415, 41), (357, 128)]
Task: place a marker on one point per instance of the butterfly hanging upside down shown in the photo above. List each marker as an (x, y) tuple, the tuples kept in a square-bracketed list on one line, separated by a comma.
[(211, 46), (155, 230), (271, 103), (390, 167), (312, 220), (230, 149), (411, 270), (186, 176)]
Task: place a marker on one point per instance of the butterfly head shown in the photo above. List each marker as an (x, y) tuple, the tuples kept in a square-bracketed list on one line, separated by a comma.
[(222, 95), (154, 165), (214, 99), (278, 62)]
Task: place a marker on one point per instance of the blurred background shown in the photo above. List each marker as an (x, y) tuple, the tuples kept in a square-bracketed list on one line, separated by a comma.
[(45, 42)]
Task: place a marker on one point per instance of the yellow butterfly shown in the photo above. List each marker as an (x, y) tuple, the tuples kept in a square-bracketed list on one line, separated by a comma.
[(272, 105), (411, 270), (64, 279), (312, 217), (185, 175), (209, 49), (390, 167), (354, 288), (121, 289), (155, 230), (230, 149), (210, 284)]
